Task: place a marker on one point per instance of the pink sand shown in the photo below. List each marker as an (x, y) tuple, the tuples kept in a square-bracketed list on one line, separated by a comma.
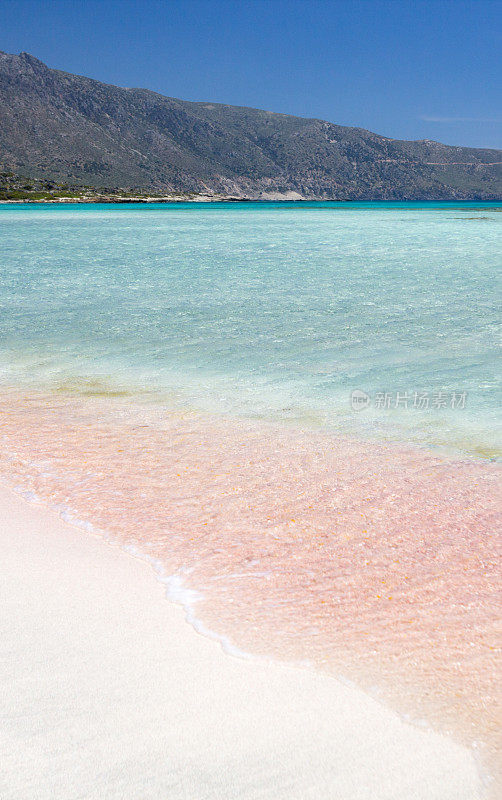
[(378, 563), (108, 694)]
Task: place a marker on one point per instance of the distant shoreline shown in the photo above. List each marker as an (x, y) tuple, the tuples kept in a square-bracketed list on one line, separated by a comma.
[(111, 200)]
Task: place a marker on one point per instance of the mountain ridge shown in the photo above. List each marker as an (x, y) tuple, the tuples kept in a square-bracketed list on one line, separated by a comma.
[(65, 127)]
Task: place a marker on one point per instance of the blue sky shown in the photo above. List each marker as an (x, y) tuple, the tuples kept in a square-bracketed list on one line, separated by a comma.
[(412, 70)]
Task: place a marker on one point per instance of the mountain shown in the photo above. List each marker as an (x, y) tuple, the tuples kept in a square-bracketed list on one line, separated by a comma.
[(68, 128)]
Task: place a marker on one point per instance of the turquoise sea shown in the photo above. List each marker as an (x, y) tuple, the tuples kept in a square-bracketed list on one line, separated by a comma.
[(271, 310)]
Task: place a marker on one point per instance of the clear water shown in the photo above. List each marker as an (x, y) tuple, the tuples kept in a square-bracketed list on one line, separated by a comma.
[(375, 562), (268, 310)]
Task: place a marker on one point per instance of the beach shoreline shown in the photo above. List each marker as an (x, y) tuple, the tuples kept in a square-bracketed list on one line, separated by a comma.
[(75, 458), (105, 198), (106, 687)]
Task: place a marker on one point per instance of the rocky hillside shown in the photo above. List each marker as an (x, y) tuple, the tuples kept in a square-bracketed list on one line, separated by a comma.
[(71, 129)]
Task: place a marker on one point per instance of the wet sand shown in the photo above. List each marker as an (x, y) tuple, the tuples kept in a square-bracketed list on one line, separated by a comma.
[(376, 563), (107, 692)]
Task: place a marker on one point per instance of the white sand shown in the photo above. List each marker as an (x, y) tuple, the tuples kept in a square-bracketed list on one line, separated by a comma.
[(106, 692)]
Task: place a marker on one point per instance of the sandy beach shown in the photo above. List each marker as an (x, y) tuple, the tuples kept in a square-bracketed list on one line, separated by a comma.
[(108, 692), (250, 400)]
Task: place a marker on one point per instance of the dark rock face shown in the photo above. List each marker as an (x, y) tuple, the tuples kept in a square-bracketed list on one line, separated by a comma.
[(72, 129)]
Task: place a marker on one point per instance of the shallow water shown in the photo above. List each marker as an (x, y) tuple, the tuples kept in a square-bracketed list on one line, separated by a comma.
[(275, 311), (183, 378)]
